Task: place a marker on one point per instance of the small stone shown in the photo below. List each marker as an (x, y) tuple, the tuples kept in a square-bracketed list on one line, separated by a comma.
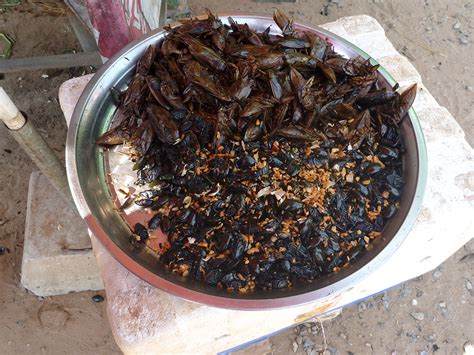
[(419, 316), (313, 352), (468, 348), (414, 302), (45, 76), (368, 345), (464, 39), (428, 29), (468, 88), (419, 293), (299, 340), (442, 304), (343, 336), (295, 347), (437, 274), (457, 25), (326, 352), (302, 327), (318, 348), (405, 291), (307, 342), (362, 306), (97, 298), (324, 11), (430, 338), (422, 352), (468, 285)]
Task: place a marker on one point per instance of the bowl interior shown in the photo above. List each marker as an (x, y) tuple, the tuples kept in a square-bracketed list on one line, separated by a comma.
[(87, 172)]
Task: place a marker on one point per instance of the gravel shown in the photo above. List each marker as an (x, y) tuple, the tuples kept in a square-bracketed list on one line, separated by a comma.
[(468, 285), (412, 336), (318, 348), (303, 331), (419, 316), (464, 39), (444, 308), (97, 298), (385, 301), (295, 346), (430, 338), (405, 291), (307, 342)]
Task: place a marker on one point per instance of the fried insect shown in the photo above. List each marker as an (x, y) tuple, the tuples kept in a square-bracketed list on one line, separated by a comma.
[(269, 159)]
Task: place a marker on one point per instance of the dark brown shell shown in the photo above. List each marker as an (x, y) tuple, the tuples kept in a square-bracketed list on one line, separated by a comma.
[(271, 160)]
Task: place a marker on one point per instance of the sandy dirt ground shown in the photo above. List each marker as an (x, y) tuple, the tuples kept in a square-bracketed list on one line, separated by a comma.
[(430, 314)]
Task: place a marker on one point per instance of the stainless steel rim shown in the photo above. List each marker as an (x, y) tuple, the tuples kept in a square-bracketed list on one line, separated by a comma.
[(77, 186)]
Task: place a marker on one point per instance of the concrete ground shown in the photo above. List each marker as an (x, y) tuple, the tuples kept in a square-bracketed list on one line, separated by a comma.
[(430, 314)]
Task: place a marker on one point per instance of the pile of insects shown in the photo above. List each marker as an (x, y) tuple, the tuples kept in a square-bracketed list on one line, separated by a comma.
[(269, 160)]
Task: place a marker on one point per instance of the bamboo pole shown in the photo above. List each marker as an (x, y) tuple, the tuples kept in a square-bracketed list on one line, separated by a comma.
[(28, 137)]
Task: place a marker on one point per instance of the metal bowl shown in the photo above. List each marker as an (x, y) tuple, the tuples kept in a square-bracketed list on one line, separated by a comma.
[(87, 174)]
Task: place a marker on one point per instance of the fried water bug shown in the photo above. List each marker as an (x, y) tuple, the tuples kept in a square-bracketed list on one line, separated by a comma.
[(268, 160)]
